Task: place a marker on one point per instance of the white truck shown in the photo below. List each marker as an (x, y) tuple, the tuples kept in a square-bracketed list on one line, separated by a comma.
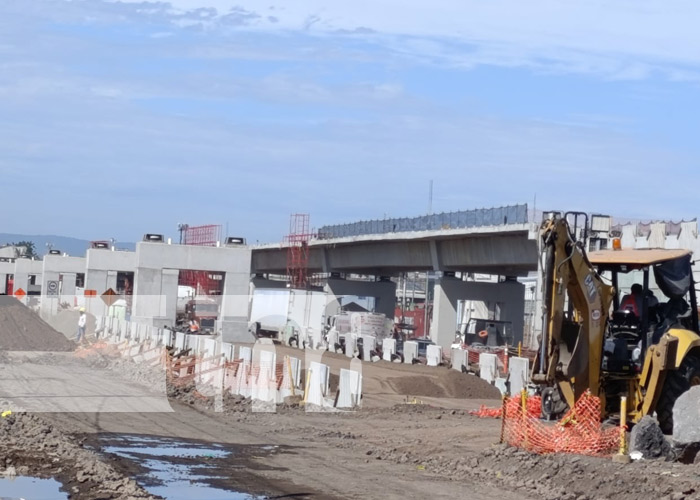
[(201, 308), (355, 327), (295, 317)]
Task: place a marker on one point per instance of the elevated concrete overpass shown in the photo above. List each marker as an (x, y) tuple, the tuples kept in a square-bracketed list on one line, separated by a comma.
[(506, 250)]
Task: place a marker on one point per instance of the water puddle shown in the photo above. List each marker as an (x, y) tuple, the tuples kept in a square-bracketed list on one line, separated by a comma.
[(30, 488), (181, 470)]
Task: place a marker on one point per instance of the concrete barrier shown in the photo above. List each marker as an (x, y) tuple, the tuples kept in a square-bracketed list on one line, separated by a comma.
[(246, 354), (488, 367), (228, 350), (179, 341), (209, 347), (291, 378), (349, 389), (410, 351), (500, 384), (460, 359), (369, 344), (332, 339), (388, 349), (519, 374), (350, 345), (168, 338), (434, 355), (317, 383)]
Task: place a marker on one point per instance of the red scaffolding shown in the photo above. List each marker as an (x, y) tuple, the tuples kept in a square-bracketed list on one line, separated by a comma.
[(203, 282), (203, 236), (297, 242)]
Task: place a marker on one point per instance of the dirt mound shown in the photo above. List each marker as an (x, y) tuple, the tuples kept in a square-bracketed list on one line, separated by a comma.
[(23, 330), (447, 384)]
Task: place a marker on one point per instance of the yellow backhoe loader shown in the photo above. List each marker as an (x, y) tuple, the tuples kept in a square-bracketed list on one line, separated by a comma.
[(593, 339)]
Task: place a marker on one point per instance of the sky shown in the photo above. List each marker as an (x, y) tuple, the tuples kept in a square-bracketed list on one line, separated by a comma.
[(119, 118)]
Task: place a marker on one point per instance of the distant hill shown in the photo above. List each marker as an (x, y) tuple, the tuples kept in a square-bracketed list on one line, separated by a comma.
[(71, 246)]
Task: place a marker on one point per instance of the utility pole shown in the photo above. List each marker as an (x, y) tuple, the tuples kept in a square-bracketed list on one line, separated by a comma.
[(430, 198)]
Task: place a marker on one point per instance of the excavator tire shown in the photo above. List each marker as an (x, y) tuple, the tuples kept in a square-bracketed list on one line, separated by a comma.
[(677, 382)]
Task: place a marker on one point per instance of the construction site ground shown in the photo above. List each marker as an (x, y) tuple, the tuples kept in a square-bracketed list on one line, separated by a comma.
[(431, 448)]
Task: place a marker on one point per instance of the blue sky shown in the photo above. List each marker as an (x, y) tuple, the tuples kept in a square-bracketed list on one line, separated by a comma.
[(120, 118)]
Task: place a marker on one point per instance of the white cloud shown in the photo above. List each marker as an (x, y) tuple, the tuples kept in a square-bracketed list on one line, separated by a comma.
[(358, 141), (623, 39)]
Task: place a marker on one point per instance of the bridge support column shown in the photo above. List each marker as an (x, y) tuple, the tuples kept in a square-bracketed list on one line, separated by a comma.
[(155, 296), (509, 295)]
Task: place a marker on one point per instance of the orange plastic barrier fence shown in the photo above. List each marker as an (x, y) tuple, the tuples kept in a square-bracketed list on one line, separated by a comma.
[(579, 432)]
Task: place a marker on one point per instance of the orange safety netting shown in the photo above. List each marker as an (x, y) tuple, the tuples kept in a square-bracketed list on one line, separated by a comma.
[(579, 432), (534, 405)]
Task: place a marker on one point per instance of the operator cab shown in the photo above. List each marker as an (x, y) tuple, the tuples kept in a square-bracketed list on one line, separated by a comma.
[(655, 292)]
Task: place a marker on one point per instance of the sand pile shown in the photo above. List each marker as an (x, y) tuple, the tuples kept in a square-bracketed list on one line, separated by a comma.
[(448, 384), (23, 330)]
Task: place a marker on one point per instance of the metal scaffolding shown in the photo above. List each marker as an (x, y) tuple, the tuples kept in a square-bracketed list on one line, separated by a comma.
[(297, 242)]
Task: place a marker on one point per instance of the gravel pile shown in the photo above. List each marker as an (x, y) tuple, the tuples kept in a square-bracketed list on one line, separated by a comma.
[(23, 330), (448, 384)]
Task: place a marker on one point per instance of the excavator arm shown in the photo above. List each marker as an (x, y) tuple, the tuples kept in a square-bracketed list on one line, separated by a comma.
[(576, 303)]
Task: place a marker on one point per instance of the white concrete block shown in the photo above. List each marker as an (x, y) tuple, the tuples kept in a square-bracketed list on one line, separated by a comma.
[(332, 339), (500, 384), (246, 354), (263, 378), (410, 351), (295, 369), (519, 373), (460, 358), (434, 355), (168, 338), (317, 385), (350, 345), (291, 377), (211, 347), (228, 350), (179, 341), (369, 344), (488, 367), (388, 349), (350, 389)]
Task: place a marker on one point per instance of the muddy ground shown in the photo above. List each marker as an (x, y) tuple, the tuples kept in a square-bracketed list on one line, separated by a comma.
[(389, 449)]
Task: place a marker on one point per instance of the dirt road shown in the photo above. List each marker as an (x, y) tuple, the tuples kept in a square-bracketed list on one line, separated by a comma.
[(388, 449)]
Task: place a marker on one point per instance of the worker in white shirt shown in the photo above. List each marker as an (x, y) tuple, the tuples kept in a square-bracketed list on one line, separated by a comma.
[(82, 321)]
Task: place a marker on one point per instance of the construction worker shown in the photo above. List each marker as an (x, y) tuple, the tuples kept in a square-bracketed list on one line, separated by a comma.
[(82, 321), (194, 326), (633, 301)]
